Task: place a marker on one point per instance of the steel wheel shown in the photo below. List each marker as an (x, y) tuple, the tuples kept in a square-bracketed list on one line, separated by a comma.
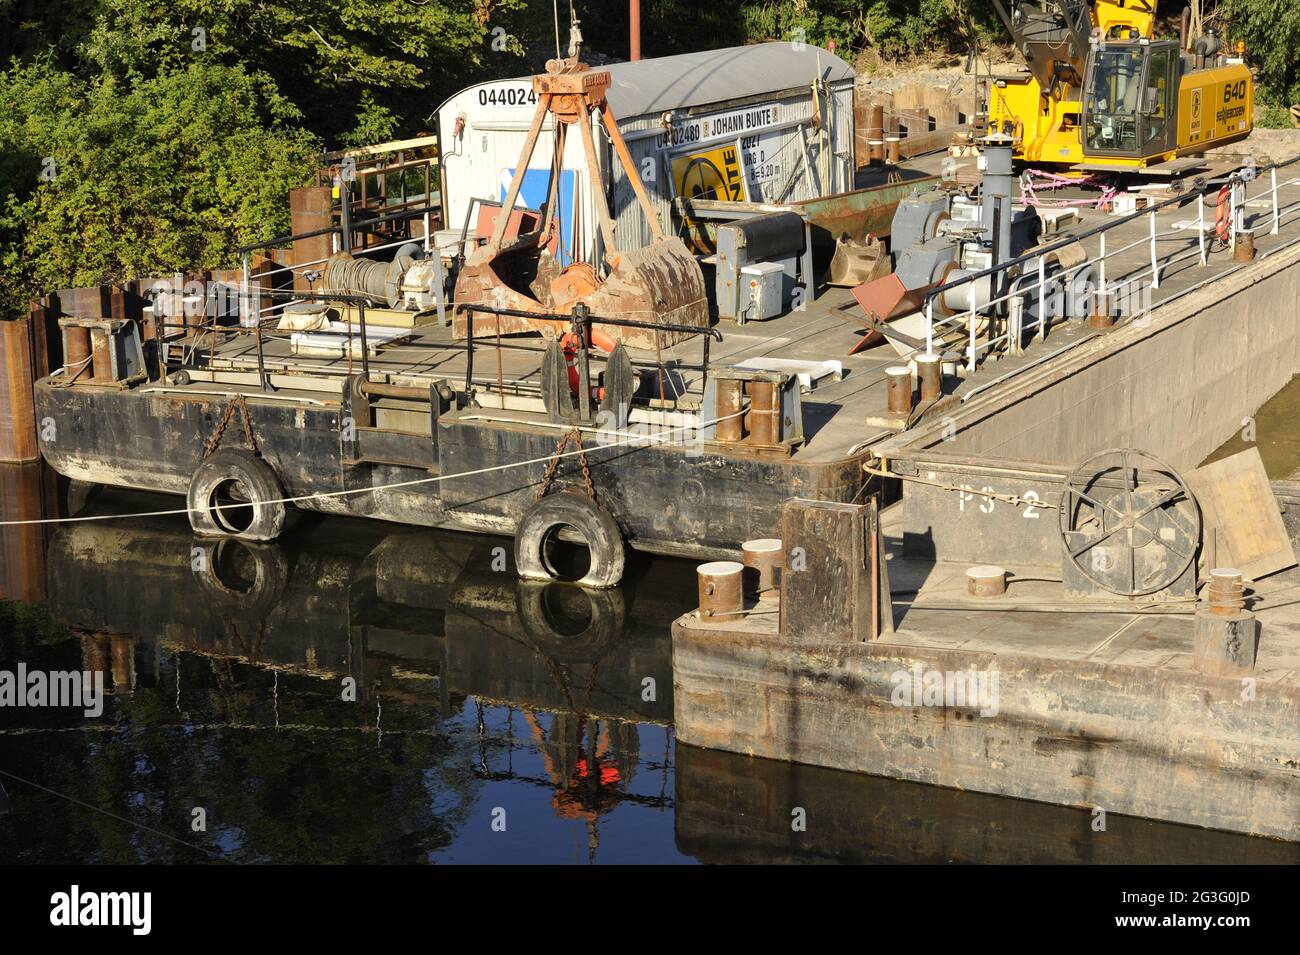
[(1129, 522)]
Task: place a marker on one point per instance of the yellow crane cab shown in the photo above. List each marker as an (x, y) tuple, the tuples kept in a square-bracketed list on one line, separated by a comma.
[(1130, 100), (1099, 93)]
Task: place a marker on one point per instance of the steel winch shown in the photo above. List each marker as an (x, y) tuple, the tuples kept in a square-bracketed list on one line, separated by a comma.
[(943, 235)]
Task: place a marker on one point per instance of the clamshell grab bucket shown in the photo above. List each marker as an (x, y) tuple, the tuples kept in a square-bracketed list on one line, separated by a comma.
[(660, 283)]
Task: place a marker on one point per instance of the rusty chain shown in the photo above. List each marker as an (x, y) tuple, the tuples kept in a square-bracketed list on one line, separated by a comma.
[(246, 422), (554, 465)]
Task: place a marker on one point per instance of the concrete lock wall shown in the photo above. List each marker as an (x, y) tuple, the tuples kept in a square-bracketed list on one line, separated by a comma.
[(1176, 385)]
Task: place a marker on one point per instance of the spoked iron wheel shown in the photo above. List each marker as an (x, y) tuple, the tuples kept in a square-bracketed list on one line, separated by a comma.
[(1129, 522)]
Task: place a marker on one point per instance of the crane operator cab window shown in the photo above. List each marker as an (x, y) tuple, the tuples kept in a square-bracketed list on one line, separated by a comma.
[(1113, 98), (1130, 100), (1157, 107)]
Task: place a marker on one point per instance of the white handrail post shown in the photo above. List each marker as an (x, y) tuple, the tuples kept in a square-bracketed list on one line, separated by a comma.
[(1155, 268), (1042, 302), (1277, 217), (244, 302), (929, 326), (1200, 226), (1101, 260), (1232, 215), (428, 239), (1015, 320), (970, 301)]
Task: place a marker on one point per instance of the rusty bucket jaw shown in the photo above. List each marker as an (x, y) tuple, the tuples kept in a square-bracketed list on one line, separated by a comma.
[(858, 262), (660, 283)]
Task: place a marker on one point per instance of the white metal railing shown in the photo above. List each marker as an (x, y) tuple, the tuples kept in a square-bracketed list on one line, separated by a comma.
[(1014, 329)]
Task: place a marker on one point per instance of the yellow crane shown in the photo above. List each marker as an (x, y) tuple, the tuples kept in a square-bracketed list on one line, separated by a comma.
[(1102, 94)]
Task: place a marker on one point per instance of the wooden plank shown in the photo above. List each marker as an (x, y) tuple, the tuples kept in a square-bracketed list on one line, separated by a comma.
[(1241, 515)]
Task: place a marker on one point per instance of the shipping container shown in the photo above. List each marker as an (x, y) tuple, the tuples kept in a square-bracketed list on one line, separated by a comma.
[(741, 123)]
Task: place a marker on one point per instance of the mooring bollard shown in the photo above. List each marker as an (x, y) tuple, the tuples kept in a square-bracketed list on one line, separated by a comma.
[(101, 362), (728, 410), (721, 594), (929, 374), (899, 389), (764, 415), (892, 149), (762, 559), (76, 353), (1227, 635), (1101, 316), (986, 580), (1225, 591)]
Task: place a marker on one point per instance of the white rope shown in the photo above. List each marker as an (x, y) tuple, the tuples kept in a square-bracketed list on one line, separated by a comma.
[(364, 490)]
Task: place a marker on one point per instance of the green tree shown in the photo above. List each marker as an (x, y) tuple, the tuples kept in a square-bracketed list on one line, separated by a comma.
[(106, 180), (335, 60), (1271, 29)]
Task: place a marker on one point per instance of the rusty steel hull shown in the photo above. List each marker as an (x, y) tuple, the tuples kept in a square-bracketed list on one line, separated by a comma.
[(678, 501), (1151, 741), (734, 809)]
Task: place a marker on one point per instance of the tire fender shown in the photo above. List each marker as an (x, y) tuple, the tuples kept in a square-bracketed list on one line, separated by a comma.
[(248, 598), (535, 603), (600, 531), (258, 480)]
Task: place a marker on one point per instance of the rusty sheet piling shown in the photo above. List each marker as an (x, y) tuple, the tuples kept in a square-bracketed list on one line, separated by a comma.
[(28, 492), (17, 415)]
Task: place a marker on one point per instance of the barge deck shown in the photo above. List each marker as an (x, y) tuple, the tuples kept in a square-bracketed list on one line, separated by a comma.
[(478, 461)]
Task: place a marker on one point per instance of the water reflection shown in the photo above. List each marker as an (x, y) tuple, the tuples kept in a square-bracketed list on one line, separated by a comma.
[(363, 692), (359, 692)]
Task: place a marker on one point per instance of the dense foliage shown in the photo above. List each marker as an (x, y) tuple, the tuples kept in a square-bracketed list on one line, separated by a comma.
[(143, 136), (1271, 29), (112, 178)]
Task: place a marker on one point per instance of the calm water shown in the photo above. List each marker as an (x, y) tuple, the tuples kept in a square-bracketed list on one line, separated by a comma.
[(1272, 432), (362, 692)]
